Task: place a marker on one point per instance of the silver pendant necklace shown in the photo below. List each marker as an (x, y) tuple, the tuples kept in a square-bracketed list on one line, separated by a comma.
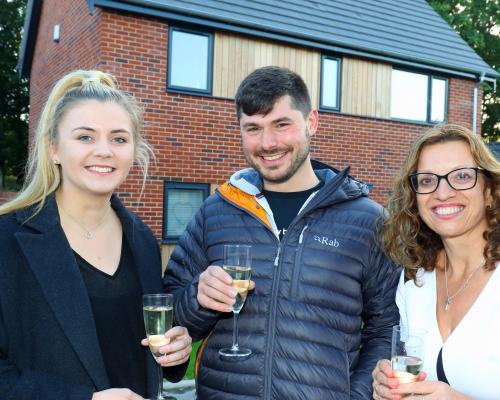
[(449, 298), (87, 232)]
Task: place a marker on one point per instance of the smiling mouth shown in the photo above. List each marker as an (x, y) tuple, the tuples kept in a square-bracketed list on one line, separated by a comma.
[(95, 168), (448, 210), (273, 157)]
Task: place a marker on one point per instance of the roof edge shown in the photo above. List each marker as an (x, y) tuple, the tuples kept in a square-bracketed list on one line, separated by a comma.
[(28, 41), (146, 8)]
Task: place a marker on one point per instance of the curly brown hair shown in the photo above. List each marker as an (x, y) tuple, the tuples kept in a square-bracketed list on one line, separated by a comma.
[(404, 235)]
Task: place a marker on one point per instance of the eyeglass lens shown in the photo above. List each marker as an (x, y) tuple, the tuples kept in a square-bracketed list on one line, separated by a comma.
[(459, 179)]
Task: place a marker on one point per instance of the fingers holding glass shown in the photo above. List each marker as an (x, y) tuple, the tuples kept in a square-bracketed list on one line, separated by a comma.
[(407, 353), (158, 311), (238, 265)]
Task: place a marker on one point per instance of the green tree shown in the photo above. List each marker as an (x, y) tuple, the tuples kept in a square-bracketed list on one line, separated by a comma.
[(478, 23), (14, 97)]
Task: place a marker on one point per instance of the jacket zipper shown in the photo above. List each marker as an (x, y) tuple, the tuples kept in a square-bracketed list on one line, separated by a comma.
[(296, 267)]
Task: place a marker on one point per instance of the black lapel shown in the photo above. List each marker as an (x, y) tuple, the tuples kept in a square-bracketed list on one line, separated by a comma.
[(53, 263), (148, 267)]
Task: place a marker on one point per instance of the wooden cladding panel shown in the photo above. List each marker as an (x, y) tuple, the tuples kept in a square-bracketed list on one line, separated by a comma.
[(236, 56), (366, 88)]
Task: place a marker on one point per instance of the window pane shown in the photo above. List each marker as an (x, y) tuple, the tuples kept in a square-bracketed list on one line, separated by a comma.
[(182, 205), (438, 100), (409, 95), (189, 60), (329, 80)]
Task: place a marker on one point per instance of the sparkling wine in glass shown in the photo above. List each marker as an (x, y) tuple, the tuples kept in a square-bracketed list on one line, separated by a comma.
[(158, 311), (238, 264), (407, 353)]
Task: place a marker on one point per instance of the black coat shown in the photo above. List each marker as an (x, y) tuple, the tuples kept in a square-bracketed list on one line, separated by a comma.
[(48, 342), (314, 289)]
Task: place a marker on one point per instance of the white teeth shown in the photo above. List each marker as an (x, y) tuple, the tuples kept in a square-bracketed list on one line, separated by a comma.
[(448, 210), (100, 169), (271, 158)]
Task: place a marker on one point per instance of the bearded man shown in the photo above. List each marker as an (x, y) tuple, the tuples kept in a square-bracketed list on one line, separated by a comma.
[(321, 312)]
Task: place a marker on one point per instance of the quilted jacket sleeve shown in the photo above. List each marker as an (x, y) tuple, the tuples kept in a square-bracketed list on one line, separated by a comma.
[(186, 263), (379, 315)]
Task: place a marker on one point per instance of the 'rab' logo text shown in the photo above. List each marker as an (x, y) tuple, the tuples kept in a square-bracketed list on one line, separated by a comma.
[(327, 241)]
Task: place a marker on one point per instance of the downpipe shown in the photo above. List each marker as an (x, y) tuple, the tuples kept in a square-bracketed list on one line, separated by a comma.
[(474, 110)]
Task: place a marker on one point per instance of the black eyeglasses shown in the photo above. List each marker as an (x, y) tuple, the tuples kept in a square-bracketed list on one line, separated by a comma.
[(458, 179)]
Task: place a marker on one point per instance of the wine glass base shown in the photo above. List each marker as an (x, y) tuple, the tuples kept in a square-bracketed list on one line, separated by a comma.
[(234, 355)]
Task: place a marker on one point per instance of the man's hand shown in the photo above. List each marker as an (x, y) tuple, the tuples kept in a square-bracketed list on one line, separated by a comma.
[(215, 291)]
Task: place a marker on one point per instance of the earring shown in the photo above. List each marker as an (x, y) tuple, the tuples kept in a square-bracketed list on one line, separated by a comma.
[(55, 162)]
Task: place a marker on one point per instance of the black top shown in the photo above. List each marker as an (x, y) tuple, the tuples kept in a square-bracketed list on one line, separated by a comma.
[(439, 368), (286, 205), (116, 302)]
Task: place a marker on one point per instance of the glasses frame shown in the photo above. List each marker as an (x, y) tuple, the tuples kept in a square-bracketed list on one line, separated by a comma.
[(445, 177)]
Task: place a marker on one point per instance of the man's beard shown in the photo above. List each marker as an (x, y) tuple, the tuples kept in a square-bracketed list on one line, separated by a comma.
[(299, 158)]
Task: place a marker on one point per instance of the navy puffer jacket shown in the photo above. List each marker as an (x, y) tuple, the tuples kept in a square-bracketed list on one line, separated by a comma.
[(314, 291)]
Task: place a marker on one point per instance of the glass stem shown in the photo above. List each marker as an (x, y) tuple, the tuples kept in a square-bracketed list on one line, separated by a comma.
[(235, 332), (160, 382)]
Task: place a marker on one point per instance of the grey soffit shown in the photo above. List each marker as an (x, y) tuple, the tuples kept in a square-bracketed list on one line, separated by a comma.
[(406, 30)]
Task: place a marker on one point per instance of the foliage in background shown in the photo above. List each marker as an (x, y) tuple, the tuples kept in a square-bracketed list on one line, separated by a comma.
[(14, 96), (478, 23), (192, 361)]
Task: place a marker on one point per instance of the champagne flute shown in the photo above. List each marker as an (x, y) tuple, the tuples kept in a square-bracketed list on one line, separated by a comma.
[(158, 313), (407, 353), (238, 264)]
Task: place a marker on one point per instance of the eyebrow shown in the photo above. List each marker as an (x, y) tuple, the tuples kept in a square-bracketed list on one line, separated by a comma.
[(89, 129), (276, 121), (451, 170)]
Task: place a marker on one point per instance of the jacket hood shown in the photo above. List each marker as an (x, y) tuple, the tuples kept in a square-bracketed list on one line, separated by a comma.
[(339, 186)]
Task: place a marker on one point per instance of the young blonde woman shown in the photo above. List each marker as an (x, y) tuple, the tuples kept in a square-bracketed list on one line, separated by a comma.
[(75, 262), (444, 228)]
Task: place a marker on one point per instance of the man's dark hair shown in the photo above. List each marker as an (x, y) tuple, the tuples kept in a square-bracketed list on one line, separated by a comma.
[(260, 90)]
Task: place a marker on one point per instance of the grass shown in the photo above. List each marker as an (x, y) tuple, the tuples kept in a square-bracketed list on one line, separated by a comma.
[(192, 360)]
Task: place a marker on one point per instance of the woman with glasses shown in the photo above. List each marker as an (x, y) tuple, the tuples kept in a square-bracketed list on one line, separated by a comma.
[(443, 227)]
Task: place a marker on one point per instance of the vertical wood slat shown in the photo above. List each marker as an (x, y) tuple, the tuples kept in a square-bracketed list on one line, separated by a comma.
[(235, 56), (366, 88)]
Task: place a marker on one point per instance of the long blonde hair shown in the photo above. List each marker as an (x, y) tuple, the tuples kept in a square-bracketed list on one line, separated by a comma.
[(405, 237), (42, 176)]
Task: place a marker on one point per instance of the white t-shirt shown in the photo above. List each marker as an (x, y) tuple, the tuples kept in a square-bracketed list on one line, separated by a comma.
[(471, 354)]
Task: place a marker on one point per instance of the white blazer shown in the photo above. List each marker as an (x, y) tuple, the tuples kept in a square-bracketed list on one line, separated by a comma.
[(471, 354)]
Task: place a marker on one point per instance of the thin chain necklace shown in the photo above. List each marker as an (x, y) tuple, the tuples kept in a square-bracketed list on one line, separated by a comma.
[(87, 231), (449, 298)]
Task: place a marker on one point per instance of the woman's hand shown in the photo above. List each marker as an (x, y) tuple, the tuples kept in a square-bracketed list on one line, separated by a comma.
[(383, 381), (177, 351), (116, 394), (427, 390)]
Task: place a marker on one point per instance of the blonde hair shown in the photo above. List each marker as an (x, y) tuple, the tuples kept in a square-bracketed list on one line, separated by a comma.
[(42, 176), (405, 237)]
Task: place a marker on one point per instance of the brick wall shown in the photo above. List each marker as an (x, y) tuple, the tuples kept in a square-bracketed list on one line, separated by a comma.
[(461, 103), (197, 138), (4, 196), (78, 48)]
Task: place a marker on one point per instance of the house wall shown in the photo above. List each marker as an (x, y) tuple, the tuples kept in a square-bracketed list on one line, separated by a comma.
[(197, 138), (77, 49), (366, 88), (235, 56)]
